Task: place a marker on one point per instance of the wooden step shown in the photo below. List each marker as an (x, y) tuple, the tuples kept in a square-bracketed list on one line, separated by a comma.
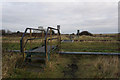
[(36, 58), (40, 49), (35, 53), (36, 65)]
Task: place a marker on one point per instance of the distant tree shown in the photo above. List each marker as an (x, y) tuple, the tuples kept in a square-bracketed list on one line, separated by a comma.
[(3, 32), (73, 34), (85, 33), (18, 32)]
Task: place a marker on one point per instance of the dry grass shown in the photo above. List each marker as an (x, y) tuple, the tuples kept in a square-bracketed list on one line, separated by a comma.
[(10, 61), (89, 66), (107, 66), (98, 66)]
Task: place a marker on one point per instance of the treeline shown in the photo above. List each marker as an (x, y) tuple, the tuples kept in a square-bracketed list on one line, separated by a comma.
[(19, 34)]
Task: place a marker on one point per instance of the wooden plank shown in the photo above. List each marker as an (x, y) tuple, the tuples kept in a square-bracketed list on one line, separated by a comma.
[(36, 58), (36, 65), (36, 53), (67, 41), (40, 49)]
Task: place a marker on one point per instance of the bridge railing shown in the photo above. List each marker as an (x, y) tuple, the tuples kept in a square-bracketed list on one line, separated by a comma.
[(49, 29), (24, 42)]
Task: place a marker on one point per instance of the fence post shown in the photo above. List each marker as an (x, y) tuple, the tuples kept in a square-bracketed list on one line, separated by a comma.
[(30, 43), (59, 39), (46, 50), (50, 40), (59, 42), (30, 38), (24, 54), (23, 49), (42, 36)]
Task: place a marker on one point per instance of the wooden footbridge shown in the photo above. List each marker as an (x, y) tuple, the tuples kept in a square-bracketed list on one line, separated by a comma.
[(45, 49)]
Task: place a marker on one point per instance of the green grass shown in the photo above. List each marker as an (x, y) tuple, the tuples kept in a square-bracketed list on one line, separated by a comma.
[(75, 46), (10, 46), (91, 46), (16, 46), (95, 38), (21, 73), (89, 66)]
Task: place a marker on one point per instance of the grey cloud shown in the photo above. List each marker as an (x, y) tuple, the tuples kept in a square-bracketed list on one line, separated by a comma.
[(91, 16)]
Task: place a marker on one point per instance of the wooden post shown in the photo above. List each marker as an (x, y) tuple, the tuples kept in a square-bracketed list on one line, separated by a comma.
[(50, 40), (42, 36), (30, 43), (46, 51), (24, 54), (30, 38), (59, 40), (23, 49)]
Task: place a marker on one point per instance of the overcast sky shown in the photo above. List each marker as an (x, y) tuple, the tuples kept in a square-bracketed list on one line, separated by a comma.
[(95, 17)]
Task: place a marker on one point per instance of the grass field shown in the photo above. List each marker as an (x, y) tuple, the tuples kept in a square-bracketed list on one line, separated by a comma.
[(65, 66)]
